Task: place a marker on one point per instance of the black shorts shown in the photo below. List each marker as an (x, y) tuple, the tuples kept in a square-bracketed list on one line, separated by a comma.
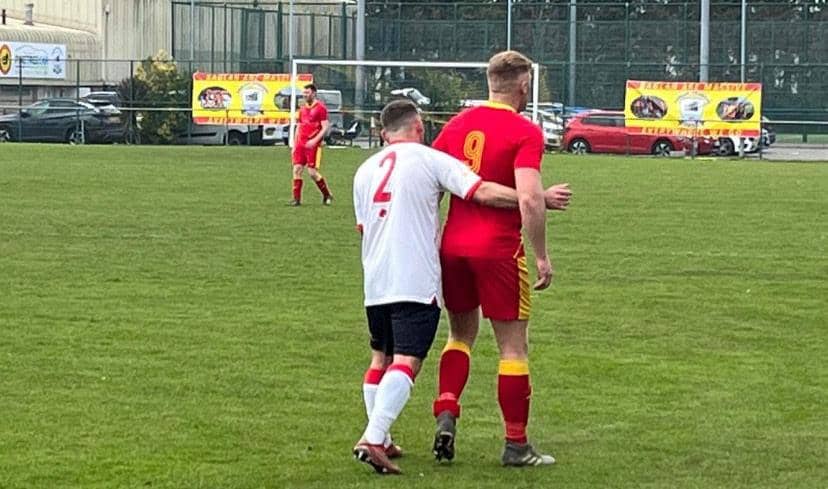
[(403, 328)]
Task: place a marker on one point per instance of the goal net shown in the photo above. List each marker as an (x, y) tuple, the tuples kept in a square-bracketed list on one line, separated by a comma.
[(356, 91)]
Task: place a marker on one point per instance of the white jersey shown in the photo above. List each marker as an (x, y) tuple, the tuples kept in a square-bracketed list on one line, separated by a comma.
[(396, 200)]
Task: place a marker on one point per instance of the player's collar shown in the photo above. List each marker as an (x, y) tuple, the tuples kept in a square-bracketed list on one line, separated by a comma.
[(498, 105), (400, 141), (311, 104)]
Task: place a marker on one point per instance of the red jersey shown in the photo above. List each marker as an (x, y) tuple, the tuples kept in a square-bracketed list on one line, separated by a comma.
[(493, 140), (310, 120)]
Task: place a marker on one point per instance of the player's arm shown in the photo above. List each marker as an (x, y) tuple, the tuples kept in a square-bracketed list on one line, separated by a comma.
[(457, 178), (325, 124), (532, 203), (359, 212)]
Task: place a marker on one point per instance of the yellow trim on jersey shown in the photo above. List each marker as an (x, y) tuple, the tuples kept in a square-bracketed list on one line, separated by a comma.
[(513, 367), (457, 345), (525, 306), (498, 105)]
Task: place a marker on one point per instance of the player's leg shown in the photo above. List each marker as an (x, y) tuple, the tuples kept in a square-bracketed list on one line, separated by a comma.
[(414, 326), (382, 352), (298, 160), (505, 299), (314, 157), (462, 301)]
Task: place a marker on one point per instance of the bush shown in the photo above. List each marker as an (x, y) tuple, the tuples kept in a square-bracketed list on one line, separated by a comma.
[(158, 84)]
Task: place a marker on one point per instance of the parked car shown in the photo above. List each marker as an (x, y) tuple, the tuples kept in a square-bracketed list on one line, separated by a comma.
[(231, 134), (606, 132), (552, 126), (63, 120)]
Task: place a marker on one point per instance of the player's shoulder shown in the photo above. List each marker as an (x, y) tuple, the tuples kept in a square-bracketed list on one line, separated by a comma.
[(525, 128)]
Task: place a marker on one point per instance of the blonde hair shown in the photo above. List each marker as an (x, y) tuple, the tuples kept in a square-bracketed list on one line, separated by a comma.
[(506, 69)]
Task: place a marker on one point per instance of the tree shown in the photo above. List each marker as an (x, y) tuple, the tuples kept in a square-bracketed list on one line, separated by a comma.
[(158, 84)]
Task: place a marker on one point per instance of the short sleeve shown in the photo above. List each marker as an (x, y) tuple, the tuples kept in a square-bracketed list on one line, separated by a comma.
[(359, 211), (454, 176), (530, 149)]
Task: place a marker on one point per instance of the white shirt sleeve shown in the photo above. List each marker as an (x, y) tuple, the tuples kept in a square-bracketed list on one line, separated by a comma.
[(453, 175), (359, 211)]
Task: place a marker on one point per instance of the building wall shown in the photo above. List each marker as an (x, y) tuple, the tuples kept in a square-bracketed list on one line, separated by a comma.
[(134, 29)]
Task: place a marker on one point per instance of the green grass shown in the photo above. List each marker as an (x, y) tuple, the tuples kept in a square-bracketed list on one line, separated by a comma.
[(166, 322)]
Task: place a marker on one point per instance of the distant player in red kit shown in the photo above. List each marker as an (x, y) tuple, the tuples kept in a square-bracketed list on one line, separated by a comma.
[(307, 150)]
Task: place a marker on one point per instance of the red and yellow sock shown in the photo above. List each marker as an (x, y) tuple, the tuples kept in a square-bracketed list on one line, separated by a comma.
[(454, 373), (297, 189), (514, 393), (323, 187)]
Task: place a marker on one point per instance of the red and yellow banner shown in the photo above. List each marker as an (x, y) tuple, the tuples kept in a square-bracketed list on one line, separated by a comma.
[(241, 98), (694, 108)]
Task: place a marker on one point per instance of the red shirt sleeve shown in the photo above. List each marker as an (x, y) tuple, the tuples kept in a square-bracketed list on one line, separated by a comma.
[(530, 150)]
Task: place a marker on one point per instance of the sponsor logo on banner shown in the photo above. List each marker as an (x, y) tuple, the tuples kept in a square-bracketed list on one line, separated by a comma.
[(694, 109), (32, 60), (240, 98)]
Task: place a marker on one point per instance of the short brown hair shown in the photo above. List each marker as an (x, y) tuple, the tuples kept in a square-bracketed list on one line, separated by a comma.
[(505, 69), (311, 87), (397, 114)]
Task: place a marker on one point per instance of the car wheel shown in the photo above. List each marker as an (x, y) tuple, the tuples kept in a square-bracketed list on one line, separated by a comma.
[(662, 147), (5, 135), (726, 147), (235, 138), (579, 147), (285, 140), (76, 136)]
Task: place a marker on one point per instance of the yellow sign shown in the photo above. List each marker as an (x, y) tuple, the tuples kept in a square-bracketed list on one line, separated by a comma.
[(248, 99), (5, 59), (694, 109)]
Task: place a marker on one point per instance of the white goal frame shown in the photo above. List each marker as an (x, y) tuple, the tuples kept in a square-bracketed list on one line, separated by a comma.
[(395, 64)]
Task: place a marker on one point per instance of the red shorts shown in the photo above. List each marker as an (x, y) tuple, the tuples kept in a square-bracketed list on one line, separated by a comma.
[(500, 286), (312, 158)]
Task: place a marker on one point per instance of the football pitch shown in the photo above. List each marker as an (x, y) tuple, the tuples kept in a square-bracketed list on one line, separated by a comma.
[(167, 322)]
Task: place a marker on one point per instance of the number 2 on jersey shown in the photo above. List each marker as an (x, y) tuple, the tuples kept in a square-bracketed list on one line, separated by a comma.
[(382, 195), (473, 149)]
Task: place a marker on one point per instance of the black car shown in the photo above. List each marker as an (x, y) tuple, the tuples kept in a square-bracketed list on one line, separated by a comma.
[(63, 120)]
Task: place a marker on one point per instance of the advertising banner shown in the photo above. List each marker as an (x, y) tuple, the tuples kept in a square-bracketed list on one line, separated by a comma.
[(694, 109), (34, 60), (247, 99)]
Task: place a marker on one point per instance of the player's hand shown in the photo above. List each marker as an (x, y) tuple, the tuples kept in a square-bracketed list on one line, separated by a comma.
[(310, 145), (545, 273), (557, 197)]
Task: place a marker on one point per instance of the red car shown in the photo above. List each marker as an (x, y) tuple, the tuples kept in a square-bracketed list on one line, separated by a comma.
[(605, 132)]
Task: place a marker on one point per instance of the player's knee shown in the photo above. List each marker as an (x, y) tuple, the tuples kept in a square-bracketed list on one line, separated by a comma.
[(411, 363)]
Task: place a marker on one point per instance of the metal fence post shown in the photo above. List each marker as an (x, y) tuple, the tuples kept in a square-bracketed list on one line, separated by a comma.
[(78, 122), (190, 122), (344, 34), (131, 129), (19, 101)]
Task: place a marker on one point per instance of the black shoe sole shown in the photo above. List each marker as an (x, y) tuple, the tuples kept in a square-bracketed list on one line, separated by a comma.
[(444, 446)]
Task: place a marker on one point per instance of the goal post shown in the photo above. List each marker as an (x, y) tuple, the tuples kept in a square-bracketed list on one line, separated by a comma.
[(355, 68)]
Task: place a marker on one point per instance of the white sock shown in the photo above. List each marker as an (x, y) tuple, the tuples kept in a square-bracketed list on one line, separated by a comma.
[(392, 393), (369, 393)]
